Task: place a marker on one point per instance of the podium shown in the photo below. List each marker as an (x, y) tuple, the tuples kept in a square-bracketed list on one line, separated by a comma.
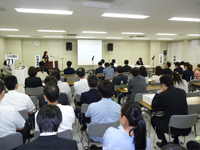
[(51, 65)]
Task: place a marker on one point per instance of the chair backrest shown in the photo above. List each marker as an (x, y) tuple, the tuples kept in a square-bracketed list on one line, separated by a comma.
[(34, 91), (183, 121), (100, 74), (84, 108), (108, 78), (24, 114), (69, 79), (139, 96), (193, 109), (62, 79), (195, 94), (34, 100), (156, 84), (11, 141), (77, 98), (92, 128), (126, 73), (153, 90)]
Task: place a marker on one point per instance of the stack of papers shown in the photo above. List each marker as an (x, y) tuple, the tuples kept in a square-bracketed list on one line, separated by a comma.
[(147, 98)]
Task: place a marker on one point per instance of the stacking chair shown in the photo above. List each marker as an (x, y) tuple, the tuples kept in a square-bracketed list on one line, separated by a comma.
[(139, 96), (108, 78), (194, 94), (76, 99), (24, 114), (100, 74), (69, 79), (84, 108), (34, 100), (126, 73), (34, 91), (153, 90), (194, 109), (11, 141), (156, 84)]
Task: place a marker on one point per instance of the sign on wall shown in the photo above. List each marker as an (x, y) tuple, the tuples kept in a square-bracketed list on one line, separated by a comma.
[(161, 58), (10, 58), (37, 60)]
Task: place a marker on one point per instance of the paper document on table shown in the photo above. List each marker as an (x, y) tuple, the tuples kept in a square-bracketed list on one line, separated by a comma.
[(147, 98), (126, 89)]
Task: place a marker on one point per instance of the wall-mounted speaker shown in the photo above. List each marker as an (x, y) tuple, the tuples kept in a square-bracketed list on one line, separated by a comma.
[(110, 46), (69, 46), (165, 52)]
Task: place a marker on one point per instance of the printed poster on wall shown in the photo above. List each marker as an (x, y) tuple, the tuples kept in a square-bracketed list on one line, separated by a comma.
[(10, 58), (161, 58), (37, 60)]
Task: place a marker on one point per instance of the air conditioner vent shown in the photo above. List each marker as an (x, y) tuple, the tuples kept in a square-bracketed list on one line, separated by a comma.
[(71, 34), (107, 1)]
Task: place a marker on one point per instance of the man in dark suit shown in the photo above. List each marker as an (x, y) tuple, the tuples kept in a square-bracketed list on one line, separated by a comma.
[(112, 66), (167, 70), (41, 64), (178, 68), (48, 120), (100, 69), (126, 67), (173, 102), (62, 99), (69, 70)]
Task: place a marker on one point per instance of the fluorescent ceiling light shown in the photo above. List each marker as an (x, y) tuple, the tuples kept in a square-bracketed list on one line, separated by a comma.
[(166, 34), (98, 32), (51, 31), (131, 33), (18, 35), (86, 37), (165, 38), (185, 19), (141, 38), (5, 29), (124, 16), (193, 34), (44, 11), (114, 37), (54, 36)]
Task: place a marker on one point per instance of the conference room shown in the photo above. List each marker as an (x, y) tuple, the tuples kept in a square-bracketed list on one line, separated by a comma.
[(56, 36)]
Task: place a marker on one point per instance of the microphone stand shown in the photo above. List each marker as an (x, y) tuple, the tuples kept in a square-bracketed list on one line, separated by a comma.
[(153, 62)]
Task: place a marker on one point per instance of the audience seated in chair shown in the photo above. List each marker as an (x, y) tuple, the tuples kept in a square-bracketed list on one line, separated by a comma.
[(143, 73), (158, 73), (6, 69), (126, 67), (132, 132), (69, 70), (49, 119), (108, 71), (106, 110), (112, 66), (178, 68), (178, 82), (167, 69), (193, 145), (197, 72), (41, 73), (188, 73), (114, 63), (41, 64), (51, 94), (173, 101), (32, 81), (100, 69)]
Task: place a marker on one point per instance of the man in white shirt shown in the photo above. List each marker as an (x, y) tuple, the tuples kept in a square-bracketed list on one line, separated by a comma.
[(51, 94), (10, 119), (14, 99), (82, 85)]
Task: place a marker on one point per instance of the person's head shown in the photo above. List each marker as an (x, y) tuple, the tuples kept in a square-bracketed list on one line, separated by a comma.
[(103, 61), (105, 88), (131, 117), (100, 63), (50, 78), (107, 64), (126, 62), (173, 147), (186, 65), (41, 69), (111, 65), (11, 82), (198, 66), (92, 81), (177, 64), (143, 71), (113, 61), (176, 77), (32, 71), (5, 63), (2, 90), (134, 72), (51, 93), (158, 71), (69, 63), (140, 59), (167, 65), (45, 53), (41, 64), (56, 74), (166, 81), (49, 118), (182, 63), (119, 69), (81, 72), (56, 69)]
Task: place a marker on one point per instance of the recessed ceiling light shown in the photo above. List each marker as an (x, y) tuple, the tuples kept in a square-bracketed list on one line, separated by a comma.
[(44, 11), (114, 37), (54, 36), (141, 38), (51, 31), (166, 34), (85, 37), (5, 29), (98, 32), (165, 38), (18, 35), (131, 33), (193, 35), (124, 16), (185, 19)]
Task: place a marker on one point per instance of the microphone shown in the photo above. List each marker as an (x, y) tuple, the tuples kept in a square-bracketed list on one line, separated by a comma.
[(93, 57)]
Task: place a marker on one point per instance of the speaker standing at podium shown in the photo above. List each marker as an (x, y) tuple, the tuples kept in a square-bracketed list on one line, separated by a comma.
[(45, 57)]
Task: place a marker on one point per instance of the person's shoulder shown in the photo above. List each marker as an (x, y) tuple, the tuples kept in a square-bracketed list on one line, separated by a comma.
[(65, 107), (7, 108)]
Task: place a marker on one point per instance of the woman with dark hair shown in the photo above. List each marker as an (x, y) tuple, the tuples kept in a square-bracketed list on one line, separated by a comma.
[(158, 73), (143, 73), (197, 72), (132, 133), (139, 62), (178, 82), (6, 69), (45, 57), (32, 81), (173, 147), (188, 73), (41, 73)]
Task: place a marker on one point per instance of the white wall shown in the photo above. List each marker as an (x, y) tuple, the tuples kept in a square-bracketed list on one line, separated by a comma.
[(2, 50)]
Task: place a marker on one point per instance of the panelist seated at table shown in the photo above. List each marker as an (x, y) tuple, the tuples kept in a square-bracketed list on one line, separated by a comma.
[(69, 70), (139, 62), (6, 69), (173, 102), (158, 73), (32, 81), (108, 71), (41, 64), (100, 69)]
